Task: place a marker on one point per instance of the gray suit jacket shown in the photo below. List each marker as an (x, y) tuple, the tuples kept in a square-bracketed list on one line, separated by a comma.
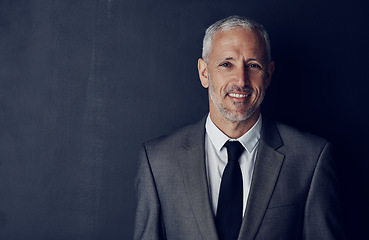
[(293, 195)]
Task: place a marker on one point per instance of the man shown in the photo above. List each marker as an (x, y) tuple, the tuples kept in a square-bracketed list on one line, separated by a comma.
[(236, 175)]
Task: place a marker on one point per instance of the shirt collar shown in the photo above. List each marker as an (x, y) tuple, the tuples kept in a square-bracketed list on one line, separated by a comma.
[(249, 140)]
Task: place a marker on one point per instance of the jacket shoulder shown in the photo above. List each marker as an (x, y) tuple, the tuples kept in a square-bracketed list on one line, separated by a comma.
[(179, 138), (300, 142), (295, 135)]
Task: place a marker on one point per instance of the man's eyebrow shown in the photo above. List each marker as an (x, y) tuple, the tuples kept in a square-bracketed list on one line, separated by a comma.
[(250, 59), (254, 59)]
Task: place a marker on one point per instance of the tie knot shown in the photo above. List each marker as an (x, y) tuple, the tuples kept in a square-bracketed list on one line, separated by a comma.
[(234, 150)]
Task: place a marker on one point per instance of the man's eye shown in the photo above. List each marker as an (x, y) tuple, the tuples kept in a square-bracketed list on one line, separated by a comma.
[(254, 65), (225, 64)]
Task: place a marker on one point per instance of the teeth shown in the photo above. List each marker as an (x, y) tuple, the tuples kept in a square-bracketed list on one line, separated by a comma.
[(237, 95)]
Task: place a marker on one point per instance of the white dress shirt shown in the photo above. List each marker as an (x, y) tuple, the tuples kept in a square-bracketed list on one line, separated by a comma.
[(216, 158)]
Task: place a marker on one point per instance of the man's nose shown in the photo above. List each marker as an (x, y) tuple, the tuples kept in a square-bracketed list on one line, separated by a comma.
[(242, 76)]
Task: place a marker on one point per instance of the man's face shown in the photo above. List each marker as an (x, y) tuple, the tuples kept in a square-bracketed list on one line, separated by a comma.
[(237, 74)]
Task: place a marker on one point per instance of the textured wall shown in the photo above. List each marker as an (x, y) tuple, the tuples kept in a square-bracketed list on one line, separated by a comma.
[(84, 83)]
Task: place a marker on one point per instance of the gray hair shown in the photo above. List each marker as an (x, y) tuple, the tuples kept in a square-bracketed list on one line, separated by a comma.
[(228, 24)]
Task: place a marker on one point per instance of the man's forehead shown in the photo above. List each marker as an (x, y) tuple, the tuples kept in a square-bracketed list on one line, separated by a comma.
[(232, 42), (221, 33)]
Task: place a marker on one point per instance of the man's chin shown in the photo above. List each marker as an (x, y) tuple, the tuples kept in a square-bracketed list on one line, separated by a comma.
[(236, 117), (240, 116)]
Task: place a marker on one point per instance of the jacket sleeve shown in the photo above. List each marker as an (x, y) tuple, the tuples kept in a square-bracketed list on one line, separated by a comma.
[(148, 222), (323, 210)]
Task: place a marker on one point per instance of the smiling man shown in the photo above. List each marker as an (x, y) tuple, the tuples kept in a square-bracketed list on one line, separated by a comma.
[(234, 174), (237, 72)]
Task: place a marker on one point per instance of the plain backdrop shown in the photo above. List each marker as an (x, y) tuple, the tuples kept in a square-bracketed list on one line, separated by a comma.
[(84, 83)]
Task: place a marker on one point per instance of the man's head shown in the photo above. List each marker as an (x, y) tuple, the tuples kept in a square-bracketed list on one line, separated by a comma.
[(228, 24), (236, 67)]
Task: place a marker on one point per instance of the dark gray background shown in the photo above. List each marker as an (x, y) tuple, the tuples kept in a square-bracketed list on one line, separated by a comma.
[(84, 83)]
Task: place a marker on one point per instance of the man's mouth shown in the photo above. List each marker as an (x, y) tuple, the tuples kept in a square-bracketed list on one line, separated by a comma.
[(238, 95)]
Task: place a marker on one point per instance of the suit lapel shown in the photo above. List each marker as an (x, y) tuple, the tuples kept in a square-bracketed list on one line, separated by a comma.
[(192, 162), (267, 167), (266, 171)]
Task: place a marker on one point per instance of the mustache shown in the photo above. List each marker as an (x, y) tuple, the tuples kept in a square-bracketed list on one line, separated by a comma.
[(235, 88)]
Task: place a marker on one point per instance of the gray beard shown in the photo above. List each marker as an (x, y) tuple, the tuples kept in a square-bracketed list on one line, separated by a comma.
[(226, 113)]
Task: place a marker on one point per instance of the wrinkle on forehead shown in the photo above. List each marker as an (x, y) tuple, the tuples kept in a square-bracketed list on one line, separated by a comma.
[(252, 44)]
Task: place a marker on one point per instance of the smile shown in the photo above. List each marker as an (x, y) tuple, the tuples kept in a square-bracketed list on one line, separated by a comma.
[(237, 95)]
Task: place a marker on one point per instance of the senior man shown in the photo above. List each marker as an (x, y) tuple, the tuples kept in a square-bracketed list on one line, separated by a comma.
[(235, 174)]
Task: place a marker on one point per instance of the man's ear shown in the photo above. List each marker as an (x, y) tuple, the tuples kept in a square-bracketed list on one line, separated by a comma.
[(202, 67), (270, 71)]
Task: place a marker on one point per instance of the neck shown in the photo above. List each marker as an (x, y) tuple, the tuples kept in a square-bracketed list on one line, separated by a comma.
[(234, 129)]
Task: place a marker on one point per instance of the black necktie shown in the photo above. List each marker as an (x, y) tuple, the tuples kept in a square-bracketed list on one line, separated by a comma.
[(230, 202)]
